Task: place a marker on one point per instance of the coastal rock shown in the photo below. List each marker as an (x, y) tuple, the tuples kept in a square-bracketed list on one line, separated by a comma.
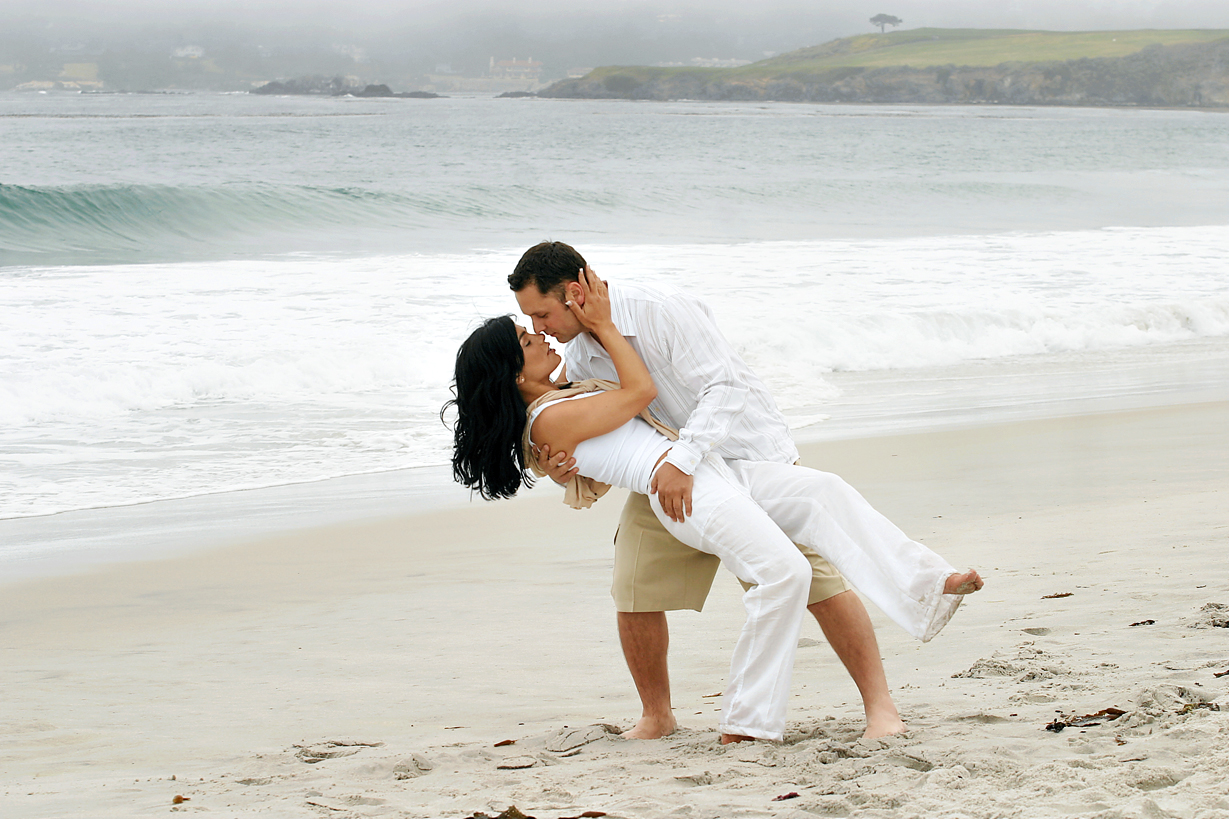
[(336, 87), (314, 85), (1190, 75), (374, 91)]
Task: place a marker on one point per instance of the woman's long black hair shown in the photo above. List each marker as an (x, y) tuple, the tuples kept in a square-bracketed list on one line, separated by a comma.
[(486, 446)]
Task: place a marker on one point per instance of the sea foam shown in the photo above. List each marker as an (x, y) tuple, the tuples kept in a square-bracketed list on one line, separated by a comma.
[(125, 383)]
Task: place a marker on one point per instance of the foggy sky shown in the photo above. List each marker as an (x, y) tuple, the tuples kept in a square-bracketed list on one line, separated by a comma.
[(842, 17)]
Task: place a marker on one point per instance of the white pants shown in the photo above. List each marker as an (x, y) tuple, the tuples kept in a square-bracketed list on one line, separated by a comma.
[(749, 514)]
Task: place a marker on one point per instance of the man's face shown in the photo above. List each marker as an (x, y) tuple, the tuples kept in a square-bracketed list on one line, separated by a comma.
[(549, 314)]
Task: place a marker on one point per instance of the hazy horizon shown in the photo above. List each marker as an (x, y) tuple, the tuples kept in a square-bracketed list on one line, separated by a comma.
[(132, 43)]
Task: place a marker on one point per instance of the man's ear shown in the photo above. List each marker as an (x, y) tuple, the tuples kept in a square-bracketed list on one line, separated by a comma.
[(574, 292)]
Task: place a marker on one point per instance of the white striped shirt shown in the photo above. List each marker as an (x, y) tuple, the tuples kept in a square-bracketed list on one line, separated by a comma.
[(704, 388)]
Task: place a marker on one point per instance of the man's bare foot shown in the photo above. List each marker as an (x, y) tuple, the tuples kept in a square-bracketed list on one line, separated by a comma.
[(965, 583), (730, 739), (882, 719), (652, 728), (885, 727)]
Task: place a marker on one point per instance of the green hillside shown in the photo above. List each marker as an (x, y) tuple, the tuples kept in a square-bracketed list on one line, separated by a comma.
[(931, 66), (928, 47), (924, 47)]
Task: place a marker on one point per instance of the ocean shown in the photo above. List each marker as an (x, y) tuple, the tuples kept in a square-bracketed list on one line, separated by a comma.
[(204, 296)]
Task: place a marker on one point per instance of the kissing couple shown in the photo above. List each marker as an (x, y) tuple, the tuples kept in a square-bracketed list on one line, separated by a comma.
[(655, 400)]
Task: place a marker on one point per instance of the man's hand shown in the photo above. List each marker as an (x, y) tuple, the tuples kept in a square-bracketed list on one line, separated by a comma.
[(673, 489), (559, 466)]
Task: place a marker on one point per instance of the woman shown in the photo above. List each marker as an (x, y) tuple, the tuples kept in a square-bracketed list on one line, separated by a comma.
[(746, 513)]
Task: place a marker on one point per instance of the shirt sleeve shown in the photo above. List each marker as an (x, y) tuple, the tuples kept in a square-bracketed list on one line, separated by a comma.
[(704, 363)]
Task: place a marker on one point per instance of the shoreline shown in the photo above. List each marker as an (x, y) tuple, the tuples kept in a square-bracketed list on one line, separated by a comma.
[(479, 95), (870, 404), (441, 634)]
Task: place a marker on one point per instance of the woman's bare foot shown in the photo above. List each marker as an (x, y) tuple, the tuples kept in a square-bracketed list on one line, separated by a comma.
[(965, 583), (730, 739), (652, 728)]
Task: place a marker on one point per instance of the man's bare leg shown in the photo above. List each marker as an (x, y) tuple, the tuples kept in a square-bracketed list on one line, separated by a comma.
[(848, 629), (645, 637)]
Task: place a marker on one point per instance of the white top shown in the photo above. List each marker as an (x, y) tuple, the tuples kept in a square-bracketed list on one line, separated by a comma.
[(704, 388), (624, 457)]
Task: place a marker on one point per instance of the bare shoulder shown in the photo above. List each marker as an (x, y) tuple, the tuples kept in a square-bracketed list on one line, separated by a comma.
[(552, 424)]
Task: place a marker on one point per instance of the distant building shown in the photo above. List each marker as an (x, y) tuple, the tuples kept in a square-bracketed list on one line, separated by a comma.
[(188, 53), (576, 73), (59, 85), (79, 72), (515, 69), (355, 53)]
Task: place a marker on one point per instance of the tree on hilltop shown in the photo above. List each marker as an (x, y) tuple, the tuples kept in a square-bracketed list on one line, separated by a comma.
[(883, 20)]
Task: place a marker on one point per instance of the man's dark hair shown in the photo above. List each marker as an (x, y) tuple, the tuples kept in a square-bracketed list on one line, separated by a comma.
[(548, 266)]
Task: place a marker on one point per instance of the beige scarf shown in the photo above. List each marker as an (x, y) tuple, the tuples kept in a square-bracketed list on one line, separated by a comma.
[(581, 492)]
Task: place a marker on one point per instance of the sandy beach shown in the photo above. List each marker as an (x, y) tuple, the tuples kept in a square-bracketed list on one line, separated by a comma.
[(464, 661)]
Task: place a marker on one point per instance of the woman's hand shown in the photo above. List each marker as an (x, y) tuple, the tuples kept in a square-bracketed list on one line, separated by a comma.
[(592, 308)]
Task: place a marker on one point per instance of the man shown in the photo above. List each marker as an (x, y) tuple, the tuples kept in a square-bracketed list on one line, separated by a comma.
[(707, 392)]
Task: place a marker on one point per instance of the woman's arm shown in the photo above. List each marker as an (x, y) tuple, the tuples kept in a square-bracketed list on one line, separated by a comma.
[(567, 423)]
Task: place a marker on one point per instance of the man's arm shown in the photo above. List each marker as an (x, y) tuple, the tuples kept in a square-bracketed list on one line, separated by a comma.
[(704, 364)]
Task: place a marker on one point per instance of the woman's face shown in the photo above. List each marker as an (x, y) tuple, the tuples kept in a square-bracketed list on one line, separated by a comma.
[(540, 359)]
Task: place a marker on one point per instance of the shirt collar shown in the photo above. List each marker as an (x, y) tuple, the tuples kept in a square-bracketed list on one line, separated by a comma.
[(624, 318)]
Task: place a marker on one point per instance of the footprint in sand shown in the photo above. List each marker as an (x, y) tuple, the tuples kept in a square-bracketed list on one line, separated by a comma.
[(1212, 615), (567, 739), (311, 754), (413, 767)]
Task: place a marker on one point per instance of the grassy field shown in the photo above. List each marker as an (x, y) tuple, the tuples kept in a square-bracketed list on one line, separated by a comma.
[(923, 47)]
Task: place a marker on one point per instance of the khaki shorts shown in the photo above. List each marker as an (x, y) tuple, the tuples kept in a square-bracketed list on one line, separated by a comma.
[(655, 572)]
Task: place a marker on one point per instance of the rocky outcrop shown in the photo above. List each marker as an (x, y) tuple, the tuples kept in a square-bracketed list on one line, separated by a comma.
[(336, 87), (385, 91), (1194, 75), (313, 85)]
